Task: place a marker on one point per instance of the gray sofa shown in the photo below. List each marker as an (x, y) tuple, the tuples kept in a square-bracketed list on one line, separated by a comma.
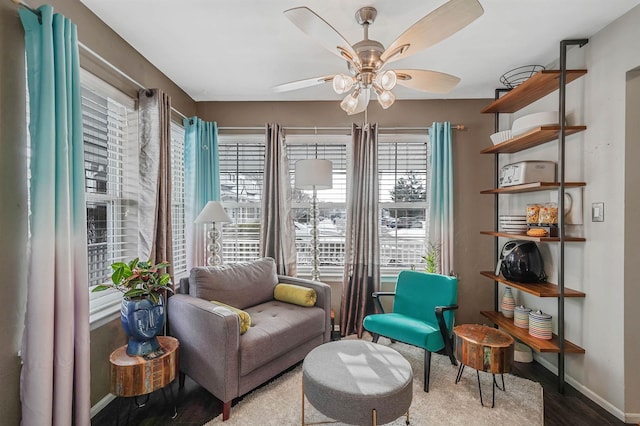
[(212, 351)]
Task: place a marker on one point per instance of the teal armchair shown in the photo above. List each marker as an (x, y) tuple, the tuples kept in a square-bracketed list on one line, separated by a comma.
[(422, 314)]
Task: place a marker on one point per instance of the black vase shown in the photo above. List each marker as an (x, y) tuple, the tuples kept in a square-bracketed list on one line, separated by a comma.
[(142, 320)]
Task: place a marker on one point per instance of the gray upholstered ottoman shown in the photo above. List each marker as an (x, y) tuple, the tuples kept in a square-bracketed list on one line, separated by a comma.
[(357, 382)]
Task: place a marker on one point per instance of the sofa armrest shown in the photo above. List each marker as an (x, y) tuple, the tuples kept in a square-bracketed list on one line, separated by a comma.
[(209, 337), (323, 300)]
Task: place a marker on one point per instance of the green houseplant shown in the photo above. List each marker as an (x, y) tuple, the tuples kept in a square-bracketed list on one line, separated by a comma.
[(138, 279), (142, 314)]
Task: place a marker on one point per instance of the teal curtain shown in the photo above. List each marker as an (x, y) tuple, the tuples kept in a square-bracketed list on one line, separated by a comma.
[(202, 182), (441, 194), (55, 352)]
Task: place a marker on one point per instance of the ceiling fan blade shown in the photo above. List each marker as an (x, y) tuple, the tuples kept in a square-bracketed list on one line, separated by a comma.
[(427, 81), (301, 84), (322, 32), (443, 22)]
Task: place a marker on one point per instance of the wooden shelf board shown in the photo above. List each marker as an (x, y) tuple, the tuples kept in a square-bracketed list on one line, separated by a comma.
[(535, 137), (530, 187), (538, 345), (538, 86), (529, 238), (537, 289)]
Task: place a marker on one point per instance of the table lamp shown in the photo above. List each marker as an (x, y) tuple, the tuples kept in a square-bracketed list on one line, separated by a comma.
[(213, 212), (314, 174)]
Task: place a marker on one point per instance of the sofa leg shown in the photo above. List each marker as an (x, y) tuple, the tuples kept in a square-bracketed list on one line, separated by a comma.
[(181, 377), (226, 411)]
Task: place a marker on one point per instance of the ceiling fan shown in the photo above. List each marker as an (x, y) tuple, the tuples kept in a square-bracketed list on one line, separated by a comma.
[(367, 59)]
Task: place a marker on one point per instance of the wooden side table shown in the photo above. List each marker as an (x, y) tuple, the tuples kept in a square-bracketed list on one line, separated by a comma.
[(485, 349), (133, 376)]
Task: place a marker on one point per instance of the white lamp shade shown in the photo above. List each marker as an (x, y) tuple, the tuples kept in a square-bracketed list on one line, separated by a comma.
[(213, 212), (314, 173)]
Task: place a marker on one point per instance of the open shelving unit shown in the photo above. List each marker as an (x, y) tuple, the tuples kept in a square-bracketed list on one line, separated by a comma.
[(539, 85)]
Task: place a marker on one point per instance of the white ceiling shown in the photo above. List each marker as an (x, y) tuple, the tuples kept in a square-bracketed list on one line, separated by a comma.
[(218, 50)]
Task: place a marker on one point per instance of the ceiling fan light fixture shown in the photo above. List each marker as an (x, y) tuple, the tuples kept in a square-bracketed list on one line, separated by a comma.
[(350, 102), (386, 80), (342, 83), (386, 99)]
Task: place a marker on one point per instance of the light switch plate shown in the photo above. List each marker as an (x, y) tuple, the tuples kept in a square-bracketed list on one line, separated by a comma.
[(597, 212)]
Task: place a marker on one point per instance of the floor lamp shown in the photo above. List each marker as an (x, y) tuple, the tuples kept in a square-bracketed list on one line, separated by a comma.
[(213, 212), (314, 174)]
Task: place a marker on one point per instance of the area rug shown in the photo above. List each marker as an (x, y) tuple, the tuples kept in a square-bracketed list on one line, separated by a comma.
[(279, 402)]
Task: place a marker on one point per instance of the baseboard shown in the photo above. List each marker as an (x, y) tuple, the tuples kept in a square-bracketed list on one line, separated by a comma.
[(101, 404), (625, 417)]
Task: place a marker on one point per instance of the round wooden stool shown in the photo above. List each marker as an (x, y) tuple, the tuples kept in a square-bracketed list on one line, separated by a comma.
[(484, 349), (133, 376)]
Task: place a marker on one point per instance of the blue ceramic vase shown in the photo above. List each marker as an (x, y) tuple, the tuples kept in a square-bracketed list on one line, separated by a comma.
[(142, 320)]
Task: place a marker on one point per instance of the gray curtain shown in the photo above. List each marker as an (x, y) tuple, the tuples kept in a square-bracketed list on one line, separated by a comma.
[(277, 233), (154, 195), (362, 251)]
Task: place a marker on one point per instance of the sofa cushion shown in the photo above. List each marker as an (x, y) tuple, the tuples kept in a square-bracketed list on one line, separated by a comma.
[(240, 285), (276, 328), (296, 294), (245, 318)]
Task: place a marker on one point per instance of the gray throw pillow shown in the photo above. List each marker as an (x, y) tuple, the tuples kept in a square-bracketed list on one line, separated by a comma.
[(240, 285)]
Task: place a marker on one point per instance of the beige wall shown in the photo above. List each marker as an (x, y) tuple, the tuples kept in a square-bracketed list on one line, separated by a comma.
[(472, 172)]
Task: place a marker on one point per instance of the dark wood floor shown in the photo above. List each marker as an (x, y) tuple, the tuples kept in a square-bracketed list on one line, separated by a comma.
[(196, 406)]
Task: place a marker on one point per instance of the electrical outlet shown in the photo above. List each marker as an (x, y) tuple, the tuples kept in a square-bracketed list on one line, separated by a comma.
[(597, 212)]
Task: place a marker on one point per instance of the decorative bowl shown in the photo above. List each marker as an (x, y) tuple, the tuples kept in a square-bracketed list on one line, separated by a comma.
[(531, 121), (500, 137)]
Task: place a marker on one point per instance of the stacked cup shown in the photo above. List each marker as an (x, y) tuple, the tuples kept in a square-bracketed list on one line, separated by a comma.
[(521, 316), (540, 325)]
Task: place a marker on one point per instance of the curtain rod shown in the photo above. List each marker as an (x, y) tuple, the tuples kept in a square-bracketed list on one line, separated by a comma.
[(316, 129), (95, 55)]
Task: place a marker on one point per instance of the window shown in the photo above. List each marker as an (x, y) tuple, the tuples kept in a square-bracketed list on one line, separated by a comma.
[(331, 203), (241, 159), (403, 170), (177, 202), (110, 133), (403, 173)]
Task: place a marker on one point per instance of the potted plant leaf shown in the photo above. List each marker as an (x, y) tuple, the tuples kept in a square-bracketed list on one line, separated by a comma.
[(142, 315)]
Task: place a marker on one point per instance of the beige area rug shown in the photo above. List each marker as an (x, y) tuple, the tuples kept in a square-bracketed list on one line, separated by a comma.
[(279, 403)]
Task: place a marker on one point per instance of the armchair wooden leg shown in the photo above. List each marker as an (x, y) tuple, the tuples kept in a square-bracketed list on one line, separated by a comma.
[(226, 411), (181, 377), (375, 337), (427, 369)]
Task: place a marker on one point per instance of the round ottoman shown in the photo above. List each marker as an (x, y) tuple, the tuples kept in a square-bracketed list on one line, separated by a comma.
[(357, 382)]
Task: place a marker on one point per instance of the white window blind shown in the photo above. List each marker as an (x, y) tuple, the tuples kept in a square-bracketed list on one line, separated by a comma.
[(403, 170), (241, 161), (331, 203), (110, 128), (177, 202)]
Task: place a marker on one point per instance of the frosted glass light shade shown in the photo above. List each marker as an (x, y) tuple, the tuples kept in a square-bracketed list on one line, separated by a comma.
[(342, 83), (386, 99), (386, 80), (350, 102), (213, 212), (314, 172)]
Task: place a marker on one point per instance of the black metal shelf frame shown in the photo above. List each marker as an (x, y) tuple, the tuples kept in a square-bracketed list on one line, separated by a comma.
[(564, 44)]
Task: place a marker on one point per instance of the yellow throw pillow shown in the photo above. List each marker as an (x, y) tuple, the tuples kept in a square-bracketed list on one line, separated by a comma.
[(295, 294), (245, 318)]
